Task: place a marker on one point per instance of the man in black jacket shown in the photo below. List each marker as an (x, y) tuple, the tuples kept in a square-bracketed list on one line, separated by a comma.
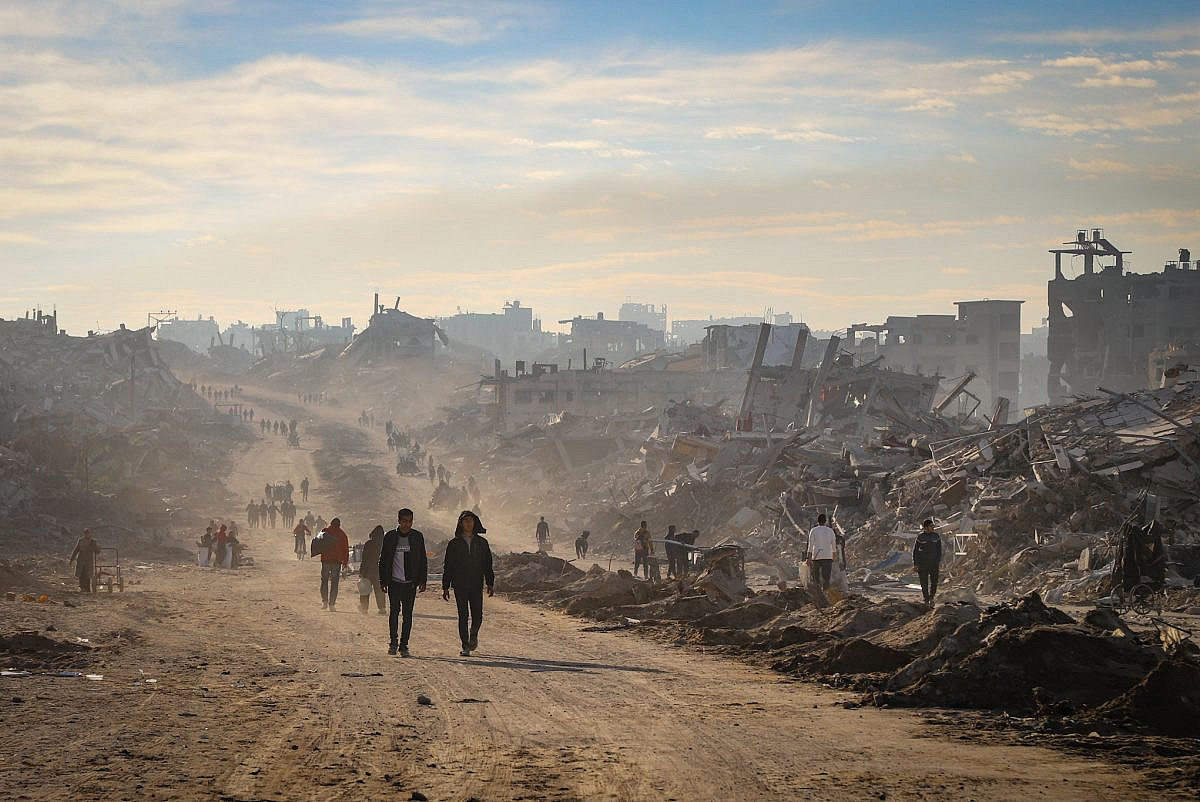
[(404, 567), (927, 557), (467, 569)]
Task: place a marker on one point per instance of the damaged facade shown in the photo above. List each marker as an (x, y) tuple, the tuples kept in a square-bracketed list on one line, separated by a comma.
[(1106, 322), (983, 340)]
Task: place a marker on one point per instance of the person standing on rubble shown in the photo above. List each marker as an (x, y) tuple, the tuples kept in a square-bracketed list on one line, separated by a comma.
[(643, 547), (84, 557), (672, 549), (403, 564), (467, 569), (333, 558), (822, 550), (927, 559)]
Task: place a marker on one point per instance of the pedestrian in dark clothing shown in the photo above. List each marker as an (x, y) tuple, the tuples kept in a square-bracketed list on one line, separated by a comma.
[(927, 558), (671, 547), (84, 557), (404, 563), (581, 545), (304, 488), (368, 571), (335, 556), (468, 568)]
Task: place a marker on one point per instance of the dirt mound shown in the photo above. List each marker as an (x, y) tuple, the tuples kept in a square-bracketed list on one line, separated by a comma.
[(1167, 700), (1020, 670), (861, 656), (534, 572), (14, 577), (33, 650)]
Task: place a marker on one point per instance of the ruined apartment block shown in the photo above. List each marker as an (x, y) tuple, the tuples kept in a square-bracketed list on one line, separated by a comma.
[(983, 339), (1106, 324)]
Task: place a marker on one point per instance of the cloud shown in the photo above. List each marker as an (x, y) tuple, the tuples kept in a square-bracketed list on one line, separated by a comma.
[(1179, 31), (779, 135), (1096, 166), (447, 23)]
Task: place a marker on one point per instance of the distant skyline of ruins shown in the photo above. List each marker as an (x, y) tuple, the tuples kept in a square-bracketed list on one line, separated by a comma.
[(220, 158)]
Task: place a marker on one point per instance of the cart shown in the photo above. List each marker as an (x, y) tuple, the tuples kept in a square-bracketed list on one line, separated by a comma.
[(108, 570)]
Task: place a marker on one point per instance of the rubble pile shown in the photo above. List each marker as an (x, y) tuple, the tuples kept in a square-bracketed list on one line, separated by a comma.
[(99, 431), (1033, 505), (1021, 657)]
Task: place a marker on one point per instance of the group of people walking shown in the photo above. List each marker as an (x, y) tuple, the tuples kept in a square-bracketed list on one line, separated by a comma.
[(395, 565)]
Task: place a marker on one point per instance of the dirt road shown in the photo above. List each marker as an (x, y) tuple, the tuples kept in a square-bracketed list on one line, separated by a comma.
[(260, 695)]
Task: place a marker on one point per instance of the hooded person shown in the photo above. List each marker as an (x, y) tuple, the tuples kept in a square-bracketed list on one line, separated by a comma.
[(403, 566), (467, 569), (368, 572)]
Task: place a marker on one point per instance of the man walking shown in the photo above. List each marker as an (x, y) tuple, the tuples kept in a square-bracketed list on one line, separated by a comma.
[(404, 563), (304, 488), (335, 555), (542, 534), (822, 547), (368, 571), (84, 557), (467, 569), (927, 558)]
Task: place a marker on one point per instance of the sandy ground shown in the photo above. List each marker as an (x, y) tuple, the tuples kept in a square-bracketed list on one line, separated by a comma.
[(252, 700)]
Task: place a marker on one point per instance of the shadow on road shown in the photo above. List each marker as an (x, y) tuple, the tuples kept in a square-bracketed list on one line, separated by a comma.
[(534, 666)]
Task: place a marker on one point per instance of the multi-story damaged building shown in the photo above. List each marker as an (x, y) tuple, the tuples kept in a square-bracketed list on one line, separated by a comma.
[(614, 341), (508, 335), (733, 347), (653, 317), (1106, 322), (530, 395), (983, 339), (199, 334)]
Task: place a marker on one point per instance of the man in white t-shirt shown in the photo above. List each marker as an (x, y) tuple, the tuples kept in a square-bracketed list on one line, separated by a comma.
[(822, 551)]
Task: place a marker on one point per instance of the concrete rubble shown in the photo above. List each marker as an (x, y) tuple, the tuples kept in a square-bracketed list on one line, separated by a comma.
[(99, 431)]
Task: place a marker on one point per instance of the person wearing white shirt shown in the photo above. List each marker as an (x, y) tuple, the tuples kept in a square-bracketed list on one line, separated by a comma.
[(822, 551)]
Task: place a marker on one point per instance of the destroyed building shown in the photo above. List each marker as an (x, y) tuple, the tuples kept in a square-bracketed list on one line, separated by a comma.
[(651, 316), (199, 334), (530, 396), (507, 335), (728, 347), (689, 332), (394, 334), (983, 340), (1106, 321), (614, 341), (298, 331)]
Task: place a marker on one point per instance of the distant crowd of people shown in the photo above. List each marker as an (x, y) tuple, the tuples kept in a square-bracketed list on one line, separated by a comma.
[(311, 398), (219, 546)]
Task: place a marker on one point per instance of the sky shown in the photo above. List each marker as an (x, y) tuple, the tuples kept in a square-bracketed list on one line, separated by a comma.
[(841, 161)]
